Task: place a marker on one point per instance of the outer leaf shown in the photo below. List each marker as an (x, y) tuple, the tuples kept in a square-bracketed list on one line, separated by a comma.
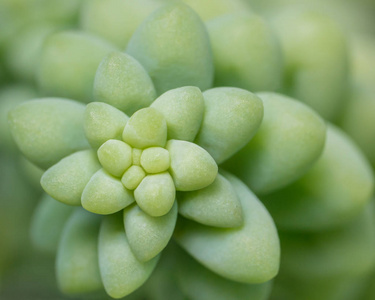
[(249, 254), (232, 117), (105, 194), (66, 180), (183, 108), (215, 205), (289, 141), (103, 122), (48, 222), (122, 82), (246, 52), (46, 130), (121, 272), (172, 44), (199, 283), (333, 191), (148, 235), (192, 167), (77, 257), (68, 64)]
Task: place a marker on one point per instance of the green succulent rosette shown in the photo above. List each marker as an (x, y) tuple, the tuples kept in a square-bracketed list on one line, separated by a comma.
[(133, 175)]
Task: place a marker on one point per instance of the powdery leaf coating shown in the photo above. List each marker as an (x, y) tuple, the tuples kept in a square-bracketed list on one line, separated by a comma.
[(192, 167), (155, 160), (232, 117), (47, 223), (173, 46), (156, 194), (199, 283), (210, 9), (122, 82), (346, 252), (120, 270), (147, 235), (289, 141), (69, 62), (325, 65), (183, 109), (77, 268), (103, 122), (333, 192), (249, 254), (105, 194), (133, 177), (115, 157), (146, 128), (116, 20), (66, 180), (246, 52), (48, 129), (215, 205)]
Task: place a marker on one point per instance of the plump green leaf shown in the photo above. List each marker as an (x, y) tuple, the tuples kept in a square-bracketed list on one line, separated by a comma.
[(146, 128), (289, 141), (331, 193), (173, 46), (147, 235), (215, 205), (133, 177), (77, 267), (232, 117), (246, 52), (48, 222), (156, 194), (249, 254), (68, 64), (122, 82), (103, 122), (46, 130), (120, 270), (105, 194), (192, 167), (183, 109), (115, 157), (155, 160), (66, 180)]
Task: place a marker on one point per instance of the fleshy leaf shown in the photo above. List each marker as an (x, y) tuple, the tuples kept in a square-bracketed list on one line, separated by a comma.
[(249, 254), (192, 167), (146, 128), (232, 117), (199, 283), (155, 160), (105, 194), (156, 194), (331, 193), (122, 82), (183, 108), (173, 46), (66, 180), (147, 235), (116, 20), (46, 130), (120, 270), (69, 62), (289, 141), (103, 122), (246, 52), (77, 265), (48, 222), (215, 205), (115, 157), (133, 177)]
